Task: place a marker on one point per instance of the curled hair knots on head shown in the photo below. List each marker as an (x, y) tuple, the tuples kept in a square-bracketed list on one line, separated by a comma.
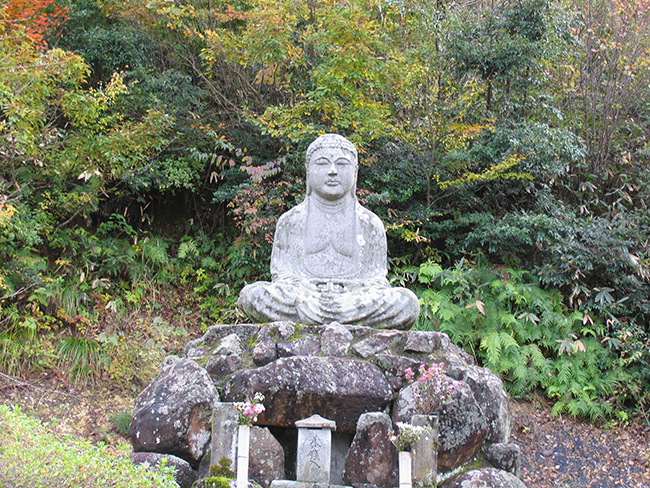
[(330, 140)]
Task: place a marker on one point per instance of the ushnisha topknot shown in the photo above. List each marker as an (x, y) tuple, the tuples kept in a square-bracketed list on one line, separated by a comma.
[(330, 140)]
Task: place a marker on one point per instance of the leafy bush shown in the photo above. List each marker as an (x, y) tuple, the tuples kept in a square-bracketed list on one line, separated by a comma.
[(35, 457), (523, 333)]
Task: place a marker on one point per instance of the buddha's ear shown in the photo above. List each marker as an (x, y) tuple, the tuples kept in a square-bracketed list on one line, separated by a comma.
[(356, 175), (307, 185)]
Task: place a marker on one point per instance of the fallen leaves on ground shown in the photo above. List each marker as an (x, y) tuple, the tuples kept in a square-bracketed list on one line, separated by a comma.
[(568, 452)]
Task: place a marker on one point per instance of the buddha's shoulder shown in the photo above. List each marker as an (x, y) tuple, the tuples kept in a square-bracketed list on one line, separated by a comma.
[(294, 215), (368, 217)]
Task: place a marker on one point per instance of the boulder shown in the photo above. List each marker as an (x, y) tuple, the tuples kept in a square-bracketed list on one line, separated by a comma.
[(491, 397), (336, 340), (372, 458), (462, 429), (173, 414), (263, 353), (505, 456), (378, 343), (219, 365), (266, 457), (485, 478), (208, 343), (305, 346), (298, 387), (276, 332), (420, 341), (476, 413), (183, 474)]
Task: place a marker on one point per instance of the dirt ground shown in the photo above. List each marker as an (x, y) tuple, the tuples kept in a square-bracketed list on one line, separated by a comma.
[(556, 452), (565, 452)]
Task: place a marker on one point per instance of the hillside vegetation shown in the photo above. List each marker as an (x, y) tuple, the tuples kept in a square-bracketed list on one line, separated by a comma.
[(148, 149)]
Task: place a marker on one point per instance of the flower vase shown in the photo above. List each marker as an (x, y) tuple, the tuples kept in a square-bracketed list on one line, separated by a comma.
[(243, 443), (405, 470)]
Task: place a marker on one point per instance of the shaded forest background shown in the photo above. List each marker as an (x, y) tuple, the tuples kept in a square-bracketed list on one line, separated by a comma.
[(148, 148)]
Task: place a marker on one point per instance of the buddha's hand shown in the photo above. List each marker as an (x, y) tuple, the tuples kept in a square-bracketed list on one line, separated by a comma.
[(332, 286)]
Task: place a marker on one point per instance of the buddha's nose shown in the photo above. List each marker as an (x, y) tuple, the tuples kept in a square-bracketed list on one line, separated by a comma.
[(332, 170)]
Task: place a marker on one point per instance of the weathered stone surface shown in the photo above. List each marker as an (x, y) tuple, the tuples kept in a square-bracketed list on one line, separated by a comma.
[(328, 262), (377, 343), (418, 341), (462, 425), (491, 396), (302, 484), (485, 478), (173, 414), (204, 465), (276, 331), (266, 457), (453, 357), (336, 340), (305, 346), (205, 345), (264, 353), (424, 454), (341, 442), (224, 434), (505, 456), (183, 474), (314, 449), (218, 366), (462, 429), (414, 399), (372, 458), (469, 420), (397, 365), (477, 413), (231, 344), (338, 389)]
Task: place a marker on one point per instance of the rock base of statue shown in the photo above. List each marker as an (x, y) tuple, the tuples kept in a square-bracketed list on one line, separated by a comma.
[(345, 374)]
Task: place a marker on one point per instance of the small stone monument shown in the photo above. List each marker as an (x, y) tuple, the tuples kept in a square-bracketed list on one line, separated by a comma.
[(424, 467), (314, 449), (328, 262), (224, 434)]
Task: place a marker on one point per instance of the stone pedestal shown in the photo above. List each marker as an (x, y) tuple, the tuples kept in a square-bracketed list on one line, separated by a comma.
[(314, 449)]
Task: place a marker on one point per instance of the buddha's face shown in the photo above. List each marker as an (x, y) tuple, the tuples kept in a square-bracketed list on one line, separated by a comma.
[(331, 173)]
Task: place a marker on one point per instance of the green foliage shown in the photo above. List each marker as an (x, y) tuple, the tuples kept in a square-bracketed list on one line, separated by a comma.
[(122, 421), (213, 482), (523, 333), (34, 456), (223, 469), (83, 355), (499, 43)]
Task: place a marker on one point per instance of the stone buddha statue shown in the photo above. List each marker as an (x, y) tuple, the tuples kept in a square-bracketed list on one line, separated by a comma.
[(328, 262)]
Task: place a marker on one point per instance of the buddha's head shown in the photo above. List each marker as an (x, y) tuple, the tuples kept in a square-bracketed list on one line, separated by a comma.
[(332, 166)]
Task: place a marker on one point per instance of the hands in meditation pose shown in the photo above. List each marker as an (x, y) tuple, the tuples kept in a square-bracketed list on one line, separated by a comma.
[(328, 262)]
